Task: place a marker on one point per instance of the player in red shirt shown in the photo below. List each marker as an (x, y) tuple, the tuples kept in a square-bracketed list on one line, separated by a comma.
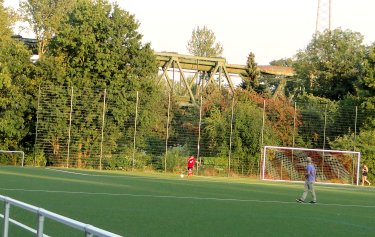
[(190, 163)]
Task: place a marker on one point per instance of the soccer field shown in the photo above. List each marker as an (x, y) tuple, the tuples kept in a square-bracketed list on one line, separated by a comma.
[(133, 204)]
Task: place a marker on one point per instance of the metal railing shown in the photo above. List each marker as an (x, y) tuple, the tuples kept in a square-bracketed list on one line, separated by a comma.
[(88, 230)]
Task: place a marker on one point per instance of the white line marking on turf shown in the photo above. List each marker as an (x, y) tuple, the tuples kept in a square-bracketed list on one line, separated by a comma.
[(186, 197), (78, 173), (100, 175)]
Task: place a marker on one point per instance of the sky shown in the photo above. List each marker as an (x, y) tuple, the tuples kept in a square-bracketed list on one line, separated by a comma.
[(271, 29)]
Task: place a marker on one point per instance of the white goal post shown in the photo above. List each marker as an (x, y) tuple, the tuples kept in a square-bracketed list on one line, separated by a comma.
[(12, 152), (289, 164)]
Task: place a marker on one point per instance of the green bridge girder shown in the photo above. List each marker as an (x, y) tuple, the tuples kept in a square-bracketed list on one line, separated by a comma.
[(216, 69)]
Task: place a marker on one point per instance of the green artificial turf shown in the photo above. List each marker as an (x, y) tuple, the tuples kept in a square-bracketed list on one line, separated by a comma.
[(133, 204)]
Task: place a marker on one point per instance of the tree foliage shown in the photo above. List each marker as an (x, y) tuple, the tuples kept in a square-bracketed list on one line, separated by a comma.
[(16, 89), (98, 47), (250, 78), (284, 62), (7, 19), (367, 86), (44, 17), (363, 142), (331, 65), (203, 43), (368, 80)]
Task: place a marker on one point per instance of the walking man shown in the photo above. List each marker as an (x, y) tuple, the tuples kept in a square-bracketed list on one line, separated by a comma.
[(309, 182)]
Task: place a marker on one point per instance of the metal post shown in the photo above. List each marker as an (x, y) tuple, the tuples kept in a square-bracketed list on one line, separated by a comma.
[(40, 230), (197, 80), (220, 72), (23, 158), (36, 126), (358, 164), (199, 133), (294, 133), (324, 137), (230, 136), (135, 129), (167, 136), (102, 138), (355, 127), (261, 142), (330, 10), (317, 17), (88, 234), (70, 127), (6, 218), (355, 139), (173, 82)]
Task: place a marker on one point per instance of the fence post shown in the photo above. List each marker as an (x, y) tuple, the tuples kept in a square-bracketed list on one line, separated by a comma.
[(261, 142), (36, 125), (40, 230), (294, 129), (355, 139), (355, 127), (6, 217), (324, 137), (199, 134), (230, 137), (103, 120), (135, 129), (167, 135), (70, 128)]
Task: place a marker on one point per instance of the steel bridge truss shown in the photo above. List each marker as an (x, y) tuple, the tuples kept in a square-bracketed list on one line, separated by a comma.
[(202, 72), (205, 72)]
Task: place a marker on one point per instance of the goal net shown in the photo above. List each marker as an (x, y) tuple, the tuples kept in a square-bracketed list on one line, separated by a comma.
[(289, 164), (12, 157)]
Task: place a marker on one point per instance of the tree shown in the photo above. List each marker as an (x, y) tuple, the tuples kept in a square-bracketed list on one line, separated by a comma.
[(246, 128), (202, 43), (368, 80), (367, 86), (284, 62), (250, 78), (16, 88), (44, 17), (7, 19), (363, 142), (332, 64), (98, 47)]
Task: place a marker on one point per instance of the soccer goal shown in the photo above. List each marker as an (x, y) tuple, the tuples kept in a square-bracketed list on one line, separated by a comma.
[(12, 157), (289, 164)]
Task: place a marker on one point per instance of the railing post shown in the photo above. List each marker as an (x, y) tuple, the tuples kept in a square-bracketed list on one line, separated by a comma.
[(40, 230), (6, 217), (87, 231)]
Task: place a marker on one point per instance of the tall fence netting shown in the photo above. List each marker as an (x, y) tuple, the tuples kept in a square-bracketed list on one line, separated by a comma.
[(101, 129)]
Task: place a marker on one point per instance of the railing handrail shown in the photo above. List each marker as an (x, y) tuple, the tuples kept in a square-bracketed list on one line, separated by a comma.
[(88, 229)]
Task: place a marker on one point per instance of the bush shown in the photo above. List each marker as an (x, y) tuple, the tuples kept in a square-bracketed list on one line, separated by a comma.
[(36, 159), (175, 159)]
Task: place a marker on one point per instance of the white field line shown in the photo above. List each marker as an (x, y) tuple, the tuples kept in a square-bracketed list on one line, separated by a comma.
[(83, 174), (186, 197)]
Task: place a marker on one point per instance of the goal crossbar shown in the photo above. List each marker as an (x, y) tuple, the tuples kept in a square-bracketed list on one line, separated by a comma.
[(304, 152), (21, 152)]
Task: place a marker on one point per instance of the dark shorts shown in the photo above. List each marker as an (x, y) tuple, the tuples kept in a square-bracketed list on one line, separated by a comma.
[(190, 168), (364, 174)]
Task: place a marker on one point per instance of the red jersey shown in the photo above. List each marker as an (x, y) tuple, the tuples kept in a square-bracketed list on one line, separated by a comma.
[(191, 161)]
